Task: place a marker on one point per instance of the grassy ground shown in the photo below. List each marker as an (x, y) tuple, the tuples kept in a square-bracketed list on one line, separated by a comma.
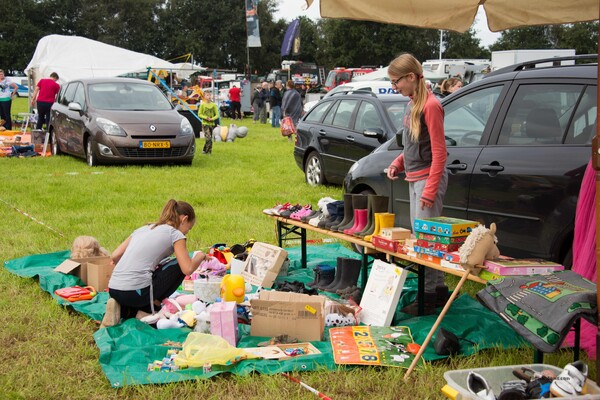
[(49, 351)]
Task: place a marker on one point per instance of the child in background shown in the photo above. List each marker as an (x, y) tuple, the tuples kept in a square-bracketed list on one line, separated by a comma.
[(138, 283), (208, 113), (423, 160)]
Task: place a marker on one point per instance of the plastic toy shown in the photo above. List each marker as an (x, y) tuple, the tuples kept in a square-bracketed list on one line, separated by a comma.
[(233, 288), (76, 293)]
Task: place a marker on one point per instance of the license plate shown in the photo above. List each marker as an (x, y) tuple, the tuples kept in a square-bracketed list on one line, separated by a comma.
[(163, 144)]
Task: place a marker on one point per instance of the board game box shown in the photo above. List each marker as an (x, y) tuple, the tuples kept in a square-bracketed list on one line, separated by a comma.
[(445, 226)]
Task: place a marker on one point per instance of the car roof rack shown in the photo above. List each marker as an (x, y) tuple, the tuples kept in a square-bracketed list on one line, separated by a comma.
[(362, 92), (556, 62)]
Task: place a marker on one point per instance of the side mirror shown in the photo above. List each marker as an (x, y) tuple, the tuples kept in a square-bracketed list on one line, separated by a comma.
[(75, 107), (399, 138)]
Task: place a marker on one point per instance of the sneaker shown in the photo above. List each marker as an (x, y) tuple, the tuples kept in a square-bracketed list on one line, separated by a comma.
[(290, 211), (513, 390), (275, 210), (304, 211), (479, 386), (570, 381), (112, 316)]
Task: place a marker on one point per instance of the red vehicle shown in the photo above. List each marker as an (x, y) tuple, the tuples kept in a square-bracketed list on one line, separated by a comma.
[(340, 75)]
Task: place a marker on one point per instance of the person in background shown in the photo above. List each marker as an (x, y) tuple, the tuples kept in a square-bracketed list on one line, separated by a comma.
[(138, 283), (275, 100), (8, 90), (257, 103), (291, 104), (45, 95), (264, 95), (451, 85), (423, 161), (235, 95), (209, 114)]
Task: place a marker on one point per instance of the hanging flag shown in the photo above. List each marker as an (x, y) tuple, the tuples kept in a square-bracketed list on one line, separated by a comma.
[(252, 23), (290, 35), (296, 45)]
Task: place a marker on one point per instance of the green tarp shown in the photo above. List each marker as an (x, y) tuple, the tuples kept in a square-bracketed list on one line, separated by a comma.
[(127, 349)]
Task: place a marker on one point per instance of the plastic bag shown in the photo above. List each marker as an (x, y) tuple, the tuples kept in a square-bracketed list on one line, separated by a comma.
[(287, 126), (201, 348)]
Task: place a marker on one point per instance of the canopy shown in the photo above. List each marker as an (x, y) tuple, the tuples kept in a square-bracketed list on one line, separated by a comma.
[(73, 57), (458, 15)]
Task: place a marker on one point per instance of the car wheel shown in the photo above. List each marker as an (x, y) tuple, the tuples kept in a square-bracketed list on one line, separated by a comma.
[(55, 146), (313, 169), (90, 153)]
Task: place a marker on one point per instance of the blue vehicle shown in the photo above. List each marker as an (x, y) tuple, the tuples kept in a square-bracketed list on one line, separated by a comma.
[(22, 90)]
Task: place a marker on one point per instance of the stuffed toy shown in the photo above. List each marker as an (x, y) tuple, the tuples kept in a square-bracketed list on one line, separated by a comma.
[(479, 246), (87, 246)]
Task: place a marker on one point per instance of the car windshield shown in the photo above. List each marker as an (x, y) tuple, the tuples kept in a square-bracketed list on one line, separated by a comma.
[(127, 96), (395, 111)]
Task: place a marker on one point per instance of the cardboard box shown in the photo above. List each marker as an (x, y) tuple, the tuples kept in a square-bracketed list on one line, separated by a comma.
[(98, 274), (79, 266), (381, 242), (224, 321), (263, 264), (286, 313), (395, 233)]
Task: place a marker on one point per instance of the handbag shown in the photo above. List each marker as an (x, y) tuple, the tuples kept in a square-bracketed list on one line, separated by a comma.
[(287, 127), (76, 293)]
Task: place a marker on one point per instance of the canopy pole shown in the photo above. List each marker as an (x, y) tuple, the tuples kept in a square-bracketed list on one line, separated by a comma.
[(596, 165)]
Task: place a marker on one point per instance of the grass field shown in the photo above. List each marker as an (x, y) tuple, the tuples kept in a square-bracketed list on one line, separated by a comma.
[(45, 203)]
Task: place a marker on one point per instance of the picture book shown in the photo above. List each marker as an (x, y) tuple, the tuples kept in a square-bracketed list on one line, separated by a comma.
[(445, 226), (521, 266)]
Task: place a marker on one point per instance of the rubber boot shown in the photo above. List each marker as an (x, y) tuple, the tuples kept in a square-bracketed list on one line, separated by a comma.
[(326, 275), (332, 210), (379, 204), (348, 212), (351, 268), (338, 275), (359, 202), (442, 294), (360, 219), (318, 271), (384, 220)]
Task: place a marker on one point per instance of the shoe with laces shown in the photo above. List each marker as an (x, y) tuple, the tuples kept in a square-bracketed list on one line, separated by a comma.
[(275, 210), (570, 381), (287, 212)]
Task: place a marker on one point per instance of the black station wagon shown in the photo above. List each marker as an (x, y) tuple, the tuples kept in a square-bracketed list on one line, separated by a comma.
[(518, 145)]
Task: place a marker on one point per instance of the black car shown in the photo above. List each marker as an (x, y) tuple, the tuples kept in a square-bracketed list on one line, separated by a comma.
[(343, 128), (518, 145)]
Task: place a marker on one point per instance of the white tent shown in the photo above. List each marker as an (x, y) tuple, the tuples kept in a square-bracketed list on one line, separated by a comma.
[(73, 57), (185, 69)]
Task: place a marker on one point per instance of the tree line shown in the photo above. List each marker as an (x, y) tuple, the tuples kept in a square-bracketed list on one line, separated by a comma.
[(214, 31)]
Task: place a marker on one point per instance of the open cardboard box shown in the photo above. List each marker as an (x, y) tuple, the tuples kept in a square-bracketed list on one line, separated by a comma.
[(263, 264), (93, 271), (286, 313)]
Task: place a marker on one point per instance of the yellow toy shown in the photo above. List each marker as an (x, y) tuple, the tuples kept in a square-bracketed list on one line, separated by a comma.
[(233, 288)]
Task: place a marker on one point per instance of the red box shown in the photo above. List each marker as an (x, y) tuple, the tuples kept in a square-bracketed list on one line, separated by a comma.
[(224, 321), (386, 244)]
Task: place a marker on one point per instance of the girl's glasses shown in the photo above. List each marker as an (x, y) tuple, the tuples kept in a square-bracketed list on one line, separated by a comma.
[(395, 82)]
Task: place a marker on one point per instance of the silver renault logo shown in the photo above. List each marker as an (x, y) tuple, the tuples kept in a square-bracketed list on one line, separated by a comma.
[(152, 128)]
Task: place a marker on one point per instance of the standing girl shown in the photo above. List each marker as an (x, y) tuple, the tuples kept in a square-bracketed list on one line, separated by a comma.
[(423, 161), (138, 283), (8, 91)]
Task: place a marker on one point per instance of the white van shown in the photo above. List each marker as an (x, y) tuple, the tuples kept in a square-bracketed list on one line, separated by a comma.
[(377, 87)]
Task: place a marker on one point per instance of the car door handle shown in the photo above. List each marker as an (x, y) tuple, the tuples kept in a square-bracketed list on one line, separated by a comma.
[(322, 132), (350, 138), (493, 167), (457, 167)]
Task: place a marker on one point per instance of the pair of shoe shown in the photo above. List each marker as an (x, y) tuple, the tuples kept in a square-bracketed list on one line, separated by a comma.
[(303, 212), (570, 381), (275, 210)]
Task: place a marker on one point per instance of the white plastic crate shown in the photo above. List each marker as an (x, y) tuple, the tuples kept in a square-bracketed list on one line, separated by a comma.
[(456, 388)]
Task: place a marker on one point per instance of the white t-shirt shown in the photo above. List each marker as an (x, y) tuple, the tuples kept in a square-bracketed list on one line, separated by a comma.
[(146, 249)]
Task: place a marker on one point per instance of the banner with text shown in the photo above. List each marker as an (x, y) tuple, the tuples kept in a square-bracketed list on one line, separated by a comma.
[(252, 23)]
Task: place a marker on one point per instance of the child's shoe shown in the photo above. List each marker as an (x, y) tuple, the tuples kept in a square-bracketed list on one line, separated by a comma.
[(570, 381)]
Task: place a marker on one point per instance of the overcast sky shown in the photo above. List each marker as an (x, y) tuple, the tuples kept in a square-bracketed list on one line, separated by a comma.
[(290, 9)]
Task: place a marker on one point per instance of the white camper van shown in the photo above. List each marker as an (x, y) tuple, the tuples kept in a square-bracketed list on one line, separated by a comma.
[(377, 87), (467, 69)]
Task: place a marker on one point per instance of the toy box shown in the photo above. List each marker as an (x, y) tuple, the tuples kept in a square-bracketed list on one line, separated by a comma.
[(286, 313), (382, 293), (438, 246), (440, 239), (445, 226), (395, 233), (381, 242), (224, 321), (263, 264), (512, 266)]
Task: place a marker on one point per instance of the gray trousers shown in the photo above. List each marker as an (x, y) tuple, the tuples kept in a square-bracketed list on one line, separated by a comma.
[(433, 277)]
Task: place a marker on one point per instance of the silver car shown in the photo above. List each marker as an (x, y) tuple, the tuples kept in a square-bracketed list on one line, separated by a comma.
[(119, 120)]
